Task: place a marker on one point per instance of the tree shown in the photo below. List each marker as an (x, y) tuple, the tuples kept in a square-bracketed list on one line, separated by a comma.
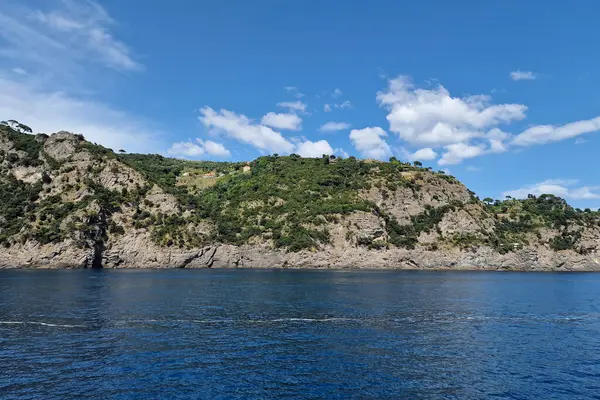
[(393, 159), (24, 128), (488, 200), (418, 164), (508, 197), (122, 151)]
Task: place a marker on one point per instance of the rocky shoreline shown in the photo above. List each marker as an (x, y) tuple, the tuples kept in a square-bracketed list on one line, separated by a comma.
[(140, 253)]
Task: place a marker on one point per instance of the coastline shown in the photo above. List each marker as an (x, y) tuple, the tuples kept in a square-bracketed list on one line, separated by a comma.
[(124, 255)]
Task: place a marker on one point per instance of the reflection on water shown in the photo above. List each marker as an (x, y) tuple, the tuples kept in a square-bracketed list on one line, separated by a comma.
[(298, 334)]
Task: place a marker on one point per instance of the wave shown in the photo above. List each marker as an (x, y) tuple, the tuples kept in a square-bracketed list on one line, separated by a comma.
[(40, 323), (230, 321)]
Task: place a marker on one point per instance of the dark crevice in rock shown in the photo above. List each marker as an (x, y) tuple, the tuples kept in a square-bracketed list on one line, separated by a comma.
[(188, 260), (211, 259), (96, 236)]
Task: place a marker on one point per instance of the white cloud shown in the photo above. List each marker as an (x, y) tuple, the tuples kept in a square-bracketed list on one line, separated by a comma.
[(425, 154), (341, 152), (541, 134), (455, 153), (497, 146), (432, 117), (19, 71), (519, 75), (370, 142), (344, 105), (73, 33), (471, 168), (336, 93), (241, 128), (293, 105), (580, 141), (54, 111), (334, 126), (293, 90), (314, 149), (564, 188), (286, 121), (199, 148), (83, 26), (54, 50)]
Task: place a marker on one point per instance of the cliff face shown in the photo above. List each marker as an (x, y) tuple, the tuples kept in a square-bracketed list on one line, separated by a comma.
[(68, 203)]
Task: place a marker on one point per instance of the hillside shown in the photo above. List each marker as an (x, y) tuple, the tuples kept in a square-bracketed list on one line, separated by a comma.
[(66, 202)]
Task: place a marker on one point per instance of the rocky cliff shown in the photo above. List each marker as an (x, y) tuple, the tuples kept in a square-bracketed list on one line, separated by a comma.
[(68, 203)]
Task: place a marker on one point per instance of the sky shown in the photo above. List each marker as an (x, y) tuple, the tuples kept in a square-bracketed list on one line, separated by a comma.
[(504, 95)]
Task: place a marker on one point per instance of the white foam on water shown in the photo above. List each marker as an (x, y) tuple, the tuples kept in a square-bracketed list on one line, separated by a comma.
[(308, 319), (212, 321), (216, 321), (39, 323)]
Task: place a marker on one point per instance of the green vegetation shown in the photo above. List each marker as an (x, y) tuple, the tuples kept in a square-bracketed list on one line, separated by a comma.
[(165, 172), (407, 235), (286, 201), (16, 200), (518, 219), (30, 144)]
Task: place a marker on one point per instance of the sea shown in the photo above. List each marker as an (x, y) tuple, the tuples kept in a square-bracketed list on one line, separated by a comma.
[(298, 334)]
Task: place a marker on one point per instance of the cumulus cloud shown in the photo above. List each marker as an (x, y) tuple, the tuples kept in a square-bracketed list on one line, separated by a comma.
[(334, 126), (286, 121), (314, 149), (455, 153), (199, 148), (425, 154), (433, 117), (293, 105), (327, 108), (243, 129), (519, 75), (336, 93), (370, 142), (471, 168), (541, 134), (565, 188)]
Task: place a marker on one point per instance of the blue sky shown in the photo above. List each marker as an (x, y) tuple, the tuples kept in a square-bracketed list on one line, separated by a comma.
[(504, 95)]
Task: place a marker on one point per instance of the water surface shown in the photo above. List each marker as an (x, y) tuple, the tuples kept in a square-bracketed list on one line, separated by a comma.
[(150, 334)]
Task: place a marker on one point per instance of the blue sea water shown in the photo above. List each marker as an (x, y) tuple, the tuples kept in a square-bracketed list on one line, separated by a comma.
[(298, 334)]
